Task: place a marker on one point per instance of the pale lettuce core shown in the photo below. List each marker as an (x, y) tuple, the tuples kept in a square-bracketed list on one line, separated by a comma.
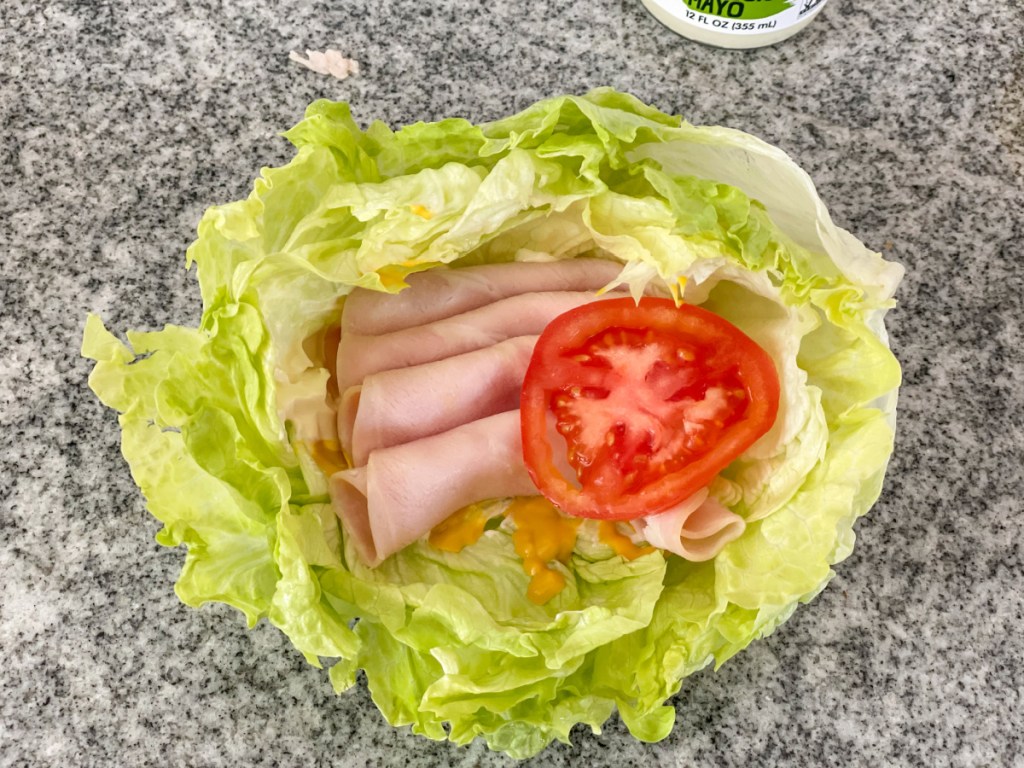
[(449, 642)]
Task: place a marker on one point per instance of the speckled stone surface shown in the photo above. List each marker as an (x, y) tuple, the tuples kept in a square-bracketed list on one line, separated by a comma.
[(122, 121)]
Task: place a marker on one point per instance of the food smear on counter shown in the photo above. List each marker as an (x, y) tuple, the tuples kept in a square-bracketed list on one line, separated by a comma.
[(329, 62)]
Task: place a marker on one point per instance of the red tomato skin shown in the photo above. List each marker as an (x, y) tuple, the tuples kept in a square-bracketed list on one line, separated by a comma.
[(570, 331)]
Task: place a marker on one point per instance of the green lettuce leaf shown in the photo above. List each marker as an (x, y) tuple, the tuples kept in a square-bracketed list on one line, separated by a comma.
[(449, 642)]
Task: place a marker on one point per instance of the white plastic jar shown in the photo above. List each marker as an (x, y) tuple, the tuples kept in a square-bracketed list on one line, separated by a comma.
[(735, 23)]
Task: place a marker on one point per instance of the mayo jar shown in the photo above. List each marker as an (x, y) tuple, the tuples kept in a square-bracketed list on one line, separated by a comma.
[(735, 23)]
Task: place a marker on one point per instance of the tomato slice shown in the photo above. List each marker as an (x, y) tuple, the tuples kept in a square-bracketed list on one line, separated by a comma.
[(647, 403)]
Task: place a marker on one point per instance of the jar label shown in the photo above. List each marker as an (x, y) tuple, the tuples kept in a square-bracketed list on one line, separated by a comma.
[(742, 17)]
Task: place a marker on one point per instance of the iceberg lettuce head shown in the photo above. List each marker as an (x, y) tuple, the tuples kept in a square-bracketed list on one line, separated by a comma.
[(449, 642)]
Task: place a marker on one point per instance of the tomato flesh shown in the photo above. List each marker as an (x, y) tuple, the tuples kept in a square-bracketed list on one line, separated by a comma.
[(651, 401)]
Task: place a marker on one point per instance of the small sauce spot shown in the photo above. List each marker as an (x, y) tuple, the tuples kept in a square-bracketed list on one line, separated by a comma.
[(463, 528), (322, 348), (423, 212), (609, 533), (543, 535), (328, 456)]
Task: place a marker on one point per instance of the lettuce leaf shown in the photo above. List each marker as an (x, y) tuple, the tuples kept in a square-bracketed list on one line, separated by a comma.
[(449, 642)]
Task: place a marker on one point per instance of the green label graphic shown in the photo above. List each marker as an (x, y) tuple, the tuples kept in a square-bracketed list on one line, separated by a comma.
[(739, 9)]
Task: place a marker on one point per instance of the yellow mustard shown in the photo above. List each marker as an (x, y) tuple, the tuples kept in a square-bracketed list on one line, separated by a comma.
[(609, 533), (328, 456), (543, 535), (460, 530)]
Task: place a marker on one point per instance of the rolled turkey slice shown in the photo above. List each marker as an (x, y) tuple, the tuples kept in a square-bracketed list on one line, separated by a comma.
[(406, 404), (443, 292), (406, 490), (695, 529), (525, 315)]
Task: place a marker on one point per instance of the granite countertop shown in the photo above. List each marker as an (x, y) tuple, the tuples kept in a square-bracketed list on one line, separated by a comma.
[(123, 121)]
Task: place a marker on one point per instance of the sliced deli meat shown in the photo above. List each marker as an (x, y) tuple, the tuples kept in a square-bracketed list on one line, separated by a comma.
[(406, 404), (360, 355), (695, 529), (406, 490), (443, 292)]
